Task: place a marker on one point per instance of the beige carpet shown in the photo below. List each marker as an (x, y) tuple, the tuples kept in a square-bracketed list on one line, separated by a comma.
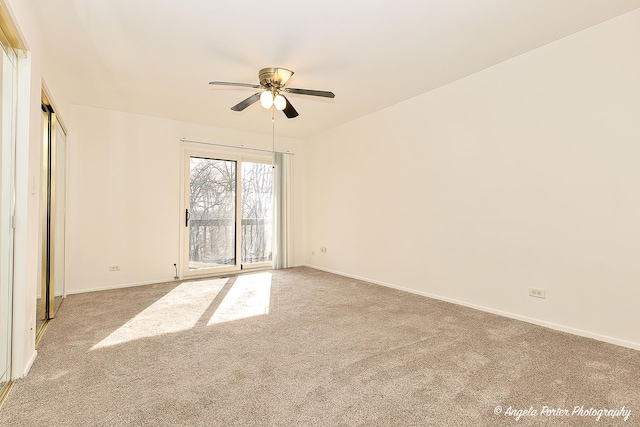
[(303, 347)]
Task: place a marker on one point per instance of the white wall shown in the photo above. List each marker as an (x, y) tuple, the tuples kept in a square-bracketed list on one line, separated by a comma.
[(123, 201), (526, 174)]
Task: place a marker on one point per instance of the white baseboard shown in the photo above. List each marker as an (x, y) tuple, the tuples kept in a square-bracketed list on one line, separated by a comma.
[(157, 282), (550, 325), (120, 286), (27, 367)]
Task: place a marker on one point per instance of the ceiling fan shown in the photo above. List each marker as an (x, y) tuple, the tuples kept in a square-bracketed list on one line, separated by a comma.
[(272, 90)]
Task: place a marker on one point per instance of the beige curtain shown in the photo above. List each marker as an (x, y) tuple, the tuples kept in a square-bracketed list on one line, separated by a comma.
[(283, 248)]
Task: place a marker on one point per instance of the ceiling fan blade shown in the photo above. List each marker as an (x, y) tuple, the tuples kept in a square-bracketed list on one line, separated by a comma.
[(289, 111), (235, 84), (244, 104), (323, 93)]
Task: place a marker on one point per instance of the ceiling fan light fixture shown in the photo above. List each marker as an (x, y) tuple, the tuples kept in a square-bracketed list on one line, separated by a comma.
[(266, 99), (279, 102)]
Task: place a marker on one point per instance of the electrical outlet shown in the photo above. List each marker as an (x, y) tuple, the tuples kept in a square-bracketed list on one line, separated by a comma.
[(323, 249), (114, 268), (536, 293)]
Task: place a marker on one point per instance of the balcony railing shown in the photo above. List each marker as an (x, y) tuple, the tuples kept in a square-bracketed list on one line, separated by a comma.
[(212, 241)]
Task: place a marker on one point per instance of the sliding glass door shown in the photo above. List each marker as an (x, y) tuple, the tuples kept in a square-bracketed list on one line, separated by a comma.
[(257, 214), (228, 215), (212, 213)]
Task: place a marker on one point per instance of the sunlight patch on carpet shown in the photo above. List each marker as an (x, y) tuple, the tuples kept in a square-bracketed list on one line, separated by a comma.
[(177, 311), (249, 296)]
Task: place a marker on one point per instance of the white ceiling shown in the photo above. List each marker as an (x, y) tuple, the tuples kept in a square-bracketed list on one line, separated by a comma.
[(156, 57)]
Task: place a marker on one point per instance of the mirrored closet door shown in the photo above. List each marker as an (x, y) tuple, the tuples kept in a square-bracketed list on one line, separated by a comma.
[(8, 82), (53, 216)]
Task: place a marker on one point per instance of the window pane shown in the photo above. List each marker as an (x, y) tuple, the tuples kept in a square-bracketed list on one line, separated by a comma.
[(212, 223), (257, 212)]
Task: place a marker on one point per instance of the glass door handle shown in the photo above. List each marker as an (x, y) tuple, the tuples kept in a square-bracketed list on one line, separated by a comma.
[(186, 218)]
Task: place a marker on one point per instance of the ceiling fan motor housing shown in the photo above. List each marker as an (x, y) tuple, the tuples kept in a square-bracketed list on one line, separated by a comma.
[(274, 78)]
